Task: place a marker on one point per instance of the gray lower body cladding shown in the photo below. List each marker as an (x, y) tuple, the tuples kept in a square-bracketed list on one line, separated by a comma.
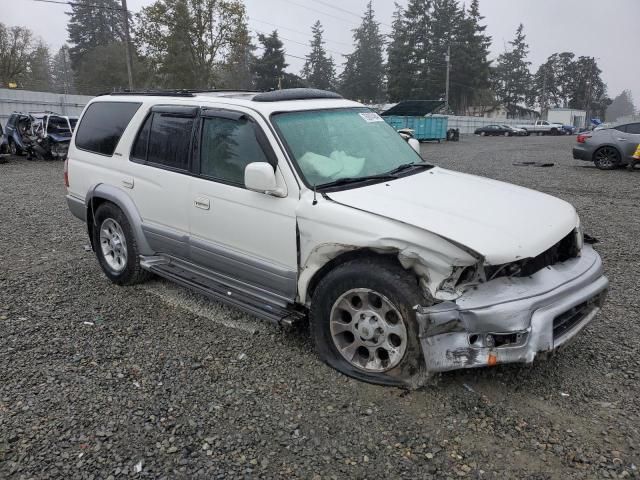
[(513, 320)]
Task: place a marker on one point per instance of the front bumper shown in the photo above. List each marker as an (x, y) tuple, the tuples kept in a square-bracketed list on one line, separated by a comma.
[(525, 317)]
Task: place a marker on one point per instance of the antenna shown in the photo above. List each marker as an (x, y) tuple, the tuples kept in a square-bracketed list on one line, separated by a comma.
[(315, 200)]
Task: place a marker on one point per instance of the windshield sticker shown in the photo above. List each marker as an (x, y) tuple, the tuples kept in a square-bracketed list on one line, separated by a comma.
[(371, 117)]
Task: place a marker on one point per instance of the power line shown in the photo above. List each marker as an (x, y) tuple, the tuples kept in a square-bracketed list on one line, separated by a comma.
[(306, 34), (320, 12), (79, 4), (344, 10), (301, 43)]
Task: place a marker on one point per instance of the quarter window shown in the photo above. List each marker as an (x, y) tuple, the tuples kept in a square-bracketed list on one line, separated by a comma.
[(228, 146), (103, 124)]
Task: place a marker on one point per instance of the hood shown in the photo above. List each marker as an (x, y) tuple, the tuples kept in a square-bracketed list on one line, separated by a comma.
[(500, 221)]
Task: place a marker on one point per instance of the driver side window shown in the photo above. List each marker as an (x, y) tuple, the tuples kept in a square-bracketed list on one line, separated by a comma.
[(227, 147)]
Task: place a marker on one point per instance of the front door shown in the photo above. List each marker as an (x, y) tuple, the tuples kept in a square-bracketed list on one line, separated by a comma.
[(248, 237)]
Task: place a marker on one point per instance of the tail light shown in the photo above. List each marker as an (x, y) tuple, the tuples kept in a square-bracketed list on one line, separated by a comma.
[(66, 172), (583, 137)]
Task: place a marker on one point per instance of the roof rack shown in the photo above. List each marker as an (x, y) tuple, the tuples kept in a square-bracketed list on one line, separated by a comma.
[(295, 94), (181, 92)]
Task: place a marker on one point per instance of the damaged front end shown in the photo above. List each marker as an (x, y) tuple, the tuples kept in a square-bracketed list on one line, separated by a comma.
[(515, 316)]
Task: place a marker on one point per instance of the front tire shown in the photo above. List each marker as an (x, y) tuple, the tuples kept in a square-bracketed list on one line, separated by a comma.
[(363, 323), (116, 247), (482, 134)]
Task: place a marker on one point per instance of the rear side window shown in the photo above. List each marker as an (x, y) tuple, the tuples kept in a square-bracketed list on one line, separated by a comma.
[(103, 124), (164, 139), (633, 128)]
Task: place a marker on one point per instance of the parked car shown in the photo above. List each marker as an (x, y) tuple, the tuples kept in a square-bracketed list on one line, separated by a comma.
[(298, 203), (4, 148), (520, 132), (608, 148), (494, 130), (43, 135), (542, 127), (569, 129)]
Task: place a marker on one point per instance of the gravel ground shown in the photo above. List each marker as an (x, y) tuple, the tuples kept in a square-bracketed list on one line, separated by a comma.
[(100, 381)]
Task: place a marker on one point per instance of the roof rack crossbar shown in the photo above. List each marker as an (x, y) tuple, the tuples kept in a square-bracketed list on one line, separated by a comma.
[(177, 92)]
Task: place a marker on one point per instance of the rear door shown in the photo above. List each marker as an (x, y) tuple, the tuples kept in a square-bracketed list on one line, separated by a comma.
[(158, 177)]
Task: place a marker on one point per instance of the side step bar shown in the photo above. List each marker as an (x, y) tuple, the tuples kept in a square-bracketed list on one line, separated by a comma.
[(217, 290)]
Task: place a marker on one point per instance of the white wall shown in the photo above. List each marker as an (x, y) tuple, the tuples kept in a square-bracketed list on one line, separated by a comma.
[(13, 100), (567, 117)]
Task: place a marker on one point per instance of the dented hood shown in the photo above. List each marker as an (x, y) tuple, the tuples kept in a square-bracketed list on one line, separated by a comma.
[(500, 221)]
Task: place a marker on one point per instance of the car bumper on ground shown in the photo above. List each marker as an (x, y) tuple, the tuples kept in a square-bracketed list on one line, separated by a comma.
[(513, 320), (580, 153)]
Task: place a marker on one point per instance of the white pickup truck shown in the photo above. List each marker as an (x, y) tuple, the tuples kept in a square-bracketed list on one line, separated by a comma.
[(543, 127)]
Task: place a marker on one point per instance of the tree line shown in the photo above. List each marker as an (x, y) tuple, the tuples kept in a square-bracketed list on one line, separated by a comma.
[(202, 44)]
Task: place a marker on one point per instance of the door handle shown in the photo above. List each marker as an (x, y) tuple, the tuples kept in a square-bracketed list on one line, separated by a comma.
[(127, 182), (621, 139), (202, 203)]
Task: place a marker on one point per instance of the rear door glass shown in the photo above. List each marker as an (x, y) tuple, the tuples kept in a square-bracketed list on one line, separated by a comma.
[(164, 140)]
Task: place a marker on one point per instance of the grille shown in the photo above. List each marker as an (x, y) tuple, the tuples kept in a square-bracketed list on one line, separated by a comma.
[(562, 251), (565, 322)]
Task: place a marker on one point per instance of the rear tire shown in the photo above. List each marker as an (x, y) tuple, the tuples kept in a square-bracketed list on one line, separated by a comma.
[(13, 148), (606, 158), (115, 246), (363, 323)]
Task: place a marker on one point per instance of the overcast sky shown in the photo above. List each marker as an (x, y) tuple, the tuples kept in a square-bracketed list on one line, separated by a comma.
[(605, 29)]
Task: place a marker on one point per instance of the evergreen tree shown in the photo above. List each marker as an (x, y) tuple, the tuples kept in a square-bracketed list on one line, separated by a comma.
[(237, 69), (588, 91), (61, 74), (621, 106), (102, 70), (512, 79), (364, 73), (446, 19), (269, 67), (93, 23), (399, 81), (319, 70), (469, 65), (417, 23), (40, 69)]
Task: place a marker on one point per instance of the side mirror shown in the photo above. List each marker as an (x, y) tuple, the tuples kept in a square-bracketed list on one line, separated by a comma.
[(415, 144), (260, 177)]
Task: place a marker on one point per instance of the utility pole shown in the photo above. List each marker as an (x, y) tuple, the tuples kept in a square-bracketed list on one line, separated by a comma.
[(127, 40), (446, 95), (544, 96)]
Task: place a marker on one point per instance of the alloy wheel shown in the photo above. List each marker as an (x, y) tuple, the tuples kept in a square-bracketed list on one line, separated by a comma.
[(368, 330), (113, 245)]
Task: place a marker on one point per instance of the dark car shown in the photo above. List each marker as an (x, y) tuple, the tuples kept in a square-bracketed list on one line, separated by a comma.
[(495, 130), (608, 148), (43, 135), (3, 141)]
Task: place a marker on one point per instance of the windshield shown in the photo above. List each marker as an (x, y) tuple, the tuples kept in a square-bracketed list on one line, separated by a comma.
[(352, 143)]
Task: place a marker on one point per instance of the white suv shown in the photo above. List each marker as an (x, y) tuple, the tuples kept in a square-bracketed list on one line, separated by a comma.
[(299, 203)]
